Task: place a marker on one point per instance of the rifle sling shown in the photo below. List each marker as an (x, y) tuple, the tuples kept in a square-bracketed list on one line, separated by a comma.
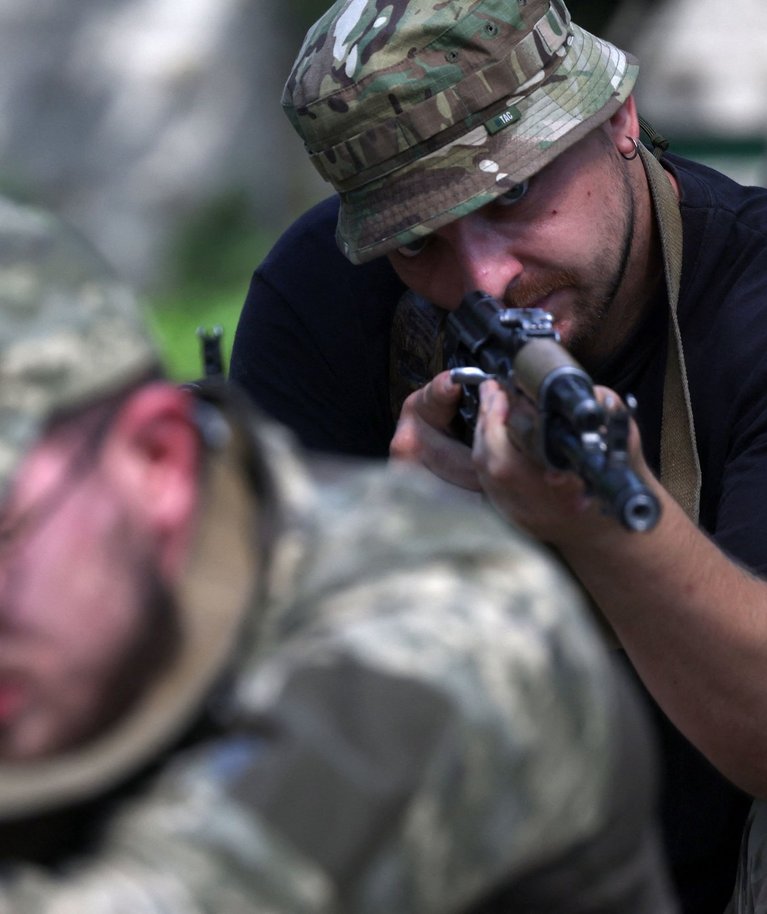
[(679, 464)]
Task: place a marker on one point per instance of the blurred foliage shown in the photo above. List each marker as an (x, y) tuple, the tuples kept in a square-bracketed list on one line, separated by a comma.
[(216, 243), (175, 318), (211, 260)]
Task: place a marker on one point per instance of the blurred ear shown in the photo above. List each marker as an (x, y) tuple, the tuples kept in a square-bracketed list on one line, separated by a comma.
[(151, 457), (624, 125)]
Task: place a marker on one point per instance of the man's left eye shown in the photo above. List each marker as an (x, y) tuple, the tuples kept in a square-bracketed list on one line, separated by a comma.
[(513, 194)]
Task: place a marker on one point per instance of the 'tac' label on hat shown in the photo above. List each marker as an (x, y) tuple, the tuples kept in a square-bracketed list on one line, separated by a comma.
[(504, 119)]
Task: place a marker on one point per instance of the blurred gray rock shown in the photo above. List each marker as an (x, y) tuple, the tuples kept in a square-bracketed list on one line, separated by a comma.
[(128, 116), (703, 81), (706, 65)]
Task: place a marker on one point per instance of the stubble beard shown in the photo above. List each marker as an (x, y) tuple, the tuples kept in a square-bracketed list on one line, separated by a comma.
[(150, 651), (595, 328), (596, 288)]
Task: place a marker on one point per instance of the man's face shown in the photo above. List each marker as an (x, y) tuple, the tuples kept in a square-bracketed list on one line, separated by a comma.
[(78, 592), (562, 242)]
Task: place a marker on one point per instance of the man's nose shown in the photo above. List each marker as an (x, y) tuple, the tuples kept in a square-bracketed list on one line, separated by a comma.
[(485, 257)]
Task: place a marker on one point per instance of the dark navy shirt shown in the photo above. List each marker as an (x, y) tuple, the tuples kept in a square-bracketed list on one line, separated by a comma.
[(312, 343), (312, 350)]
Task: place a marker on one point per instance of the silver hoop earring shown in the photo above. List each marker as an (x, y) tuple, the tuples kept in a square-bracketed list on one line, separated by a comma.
[(635, 153)]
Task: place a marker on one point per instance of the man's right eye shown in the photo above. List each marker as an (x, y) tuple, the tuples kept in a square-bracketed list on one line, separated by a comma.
[(413, 248)]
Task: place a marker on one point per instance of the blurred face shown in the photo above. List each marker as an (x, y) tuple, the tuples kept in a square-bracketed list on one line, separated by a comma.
[(82, 615), (563, 241)]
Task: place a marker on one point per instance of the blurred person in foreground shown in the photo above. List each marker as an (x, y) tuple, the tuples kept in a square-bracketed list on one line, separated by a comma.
[(227, 687), (494, 145)]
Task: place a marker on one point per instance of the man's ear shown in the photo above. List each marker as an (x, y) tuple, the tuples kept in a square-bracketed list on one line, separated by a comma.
[(152, 459), (623, 127)]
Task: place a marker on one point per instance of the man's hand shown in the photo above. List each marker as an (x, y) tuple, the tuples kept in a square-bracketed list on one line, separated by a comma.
[(423, 433), (552, 505), (542, 501)]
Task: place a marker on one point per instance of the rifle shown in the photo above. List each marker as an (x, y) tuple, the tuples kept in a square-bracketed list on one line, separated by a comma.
[(564, 426)]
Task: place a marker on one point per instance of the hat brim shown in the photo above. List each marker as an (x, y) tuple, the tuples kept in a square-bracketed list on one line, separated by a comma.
[(594, 79)]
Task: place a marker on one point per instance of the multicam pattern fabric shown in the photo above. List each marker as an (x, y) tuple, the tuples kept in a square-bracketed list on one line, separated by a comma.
[(418, 113), (420, 712), (69, 330)]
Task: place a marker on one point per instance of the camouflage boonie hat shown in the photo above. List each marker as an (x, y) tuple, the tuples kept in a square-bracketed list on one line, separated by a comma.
[(420, 111), (69, 332)]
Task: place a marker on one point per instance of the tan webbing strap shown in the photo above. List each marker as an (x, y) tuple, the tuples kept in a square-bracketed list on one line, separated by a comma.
[(679, 463)]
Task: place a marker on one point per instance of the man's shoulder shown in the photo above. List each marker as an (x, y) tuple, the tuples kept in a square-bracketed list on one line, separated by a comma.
[(705, 188), (398, 531), (456, 631), (386, 495), (311, 236), (725, 239), (319, 221), (305, 264)]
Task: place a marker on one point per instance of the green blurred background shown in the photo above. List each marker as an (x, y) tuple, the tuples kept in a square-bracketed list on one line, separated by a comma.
[(212, 264)]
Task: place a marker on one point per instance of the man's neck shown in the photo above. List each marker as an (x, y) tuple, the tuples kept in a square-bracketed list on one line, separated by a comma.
[(642, 287)]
